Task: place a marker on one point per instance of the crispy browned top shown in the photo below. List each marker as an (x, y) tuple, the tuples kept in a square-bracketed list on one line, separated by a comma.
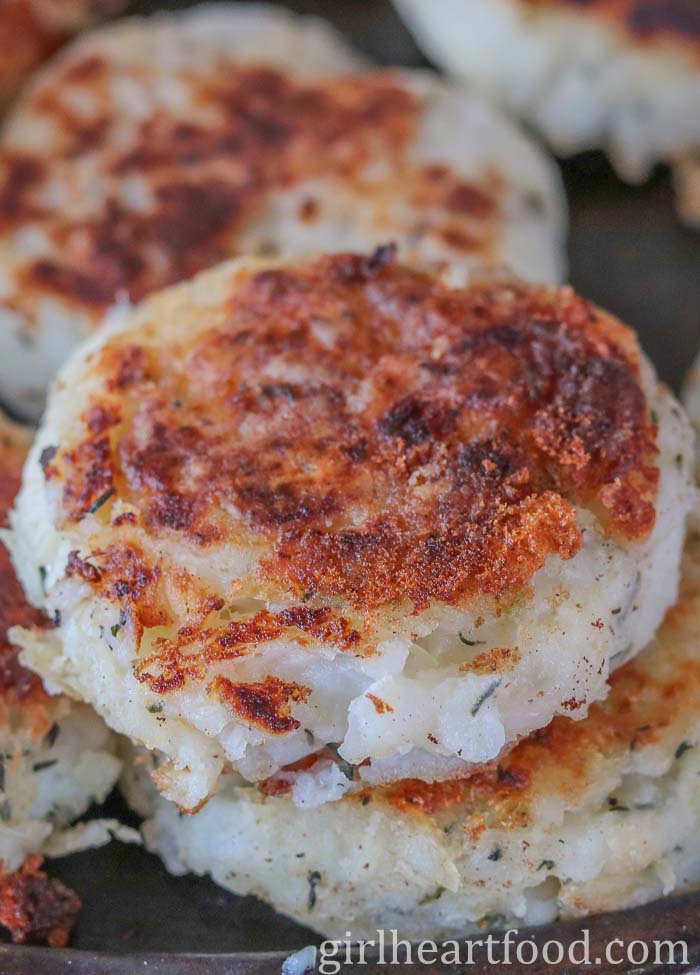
[(209, 174), (18, 686), (645, 20), (369, 433)]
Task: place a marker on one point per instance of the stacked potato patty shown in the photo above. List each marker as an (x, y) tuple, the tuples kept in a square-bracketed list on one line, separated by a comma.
[(621, 75), (577, 819), (342, 521), (56, 757), (151, 149), (362, 546)]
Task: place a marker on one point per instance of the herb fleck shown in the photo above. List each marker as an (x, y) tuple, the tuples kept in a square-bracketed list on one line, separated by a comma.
[(429, 898), (52, 735), (98, 502), (313, 878), (470, 643), (345, 767), (484, 696)]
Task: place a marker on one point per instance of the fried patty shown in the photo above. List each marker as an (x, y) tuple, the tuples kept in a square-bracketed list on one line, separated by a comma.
[(580, 817), (617, 75), (57, 757), (151, 149), (300, 517)]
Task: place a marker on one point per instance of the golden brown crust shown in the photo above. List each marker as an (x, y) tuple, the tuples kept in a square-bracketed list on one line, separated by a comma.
[(36, 908), (172, 662), (265, 704), (19, 688), (433, 450), (259, 133)]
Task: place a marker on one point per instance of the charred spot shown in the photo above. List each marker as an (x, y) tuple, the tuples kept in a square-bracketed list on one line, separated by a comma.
[(382, 257), (357, 450), (487, 459), (356, 268), (501, 336), (36, 908), (129, 369), (46, 456), (415, 421), (278, 390), (274, 284), (321, 623), (17, 177), (265, 704), (681, 17), (87, 136), (88, 475), (573, 704), (471, 200), (460, 240), (406, 421), (172, 510), (49, 275), (284, 505), (126, 518), (100, 417), (189, 216), (309, 210), (77, 566), (86, 68)]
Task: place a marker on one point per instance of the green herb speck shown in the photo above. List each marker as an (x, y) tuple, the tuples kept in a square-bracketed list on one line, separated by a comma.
[(470, 643), (345, 767), (98, 502), (484, 696)]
